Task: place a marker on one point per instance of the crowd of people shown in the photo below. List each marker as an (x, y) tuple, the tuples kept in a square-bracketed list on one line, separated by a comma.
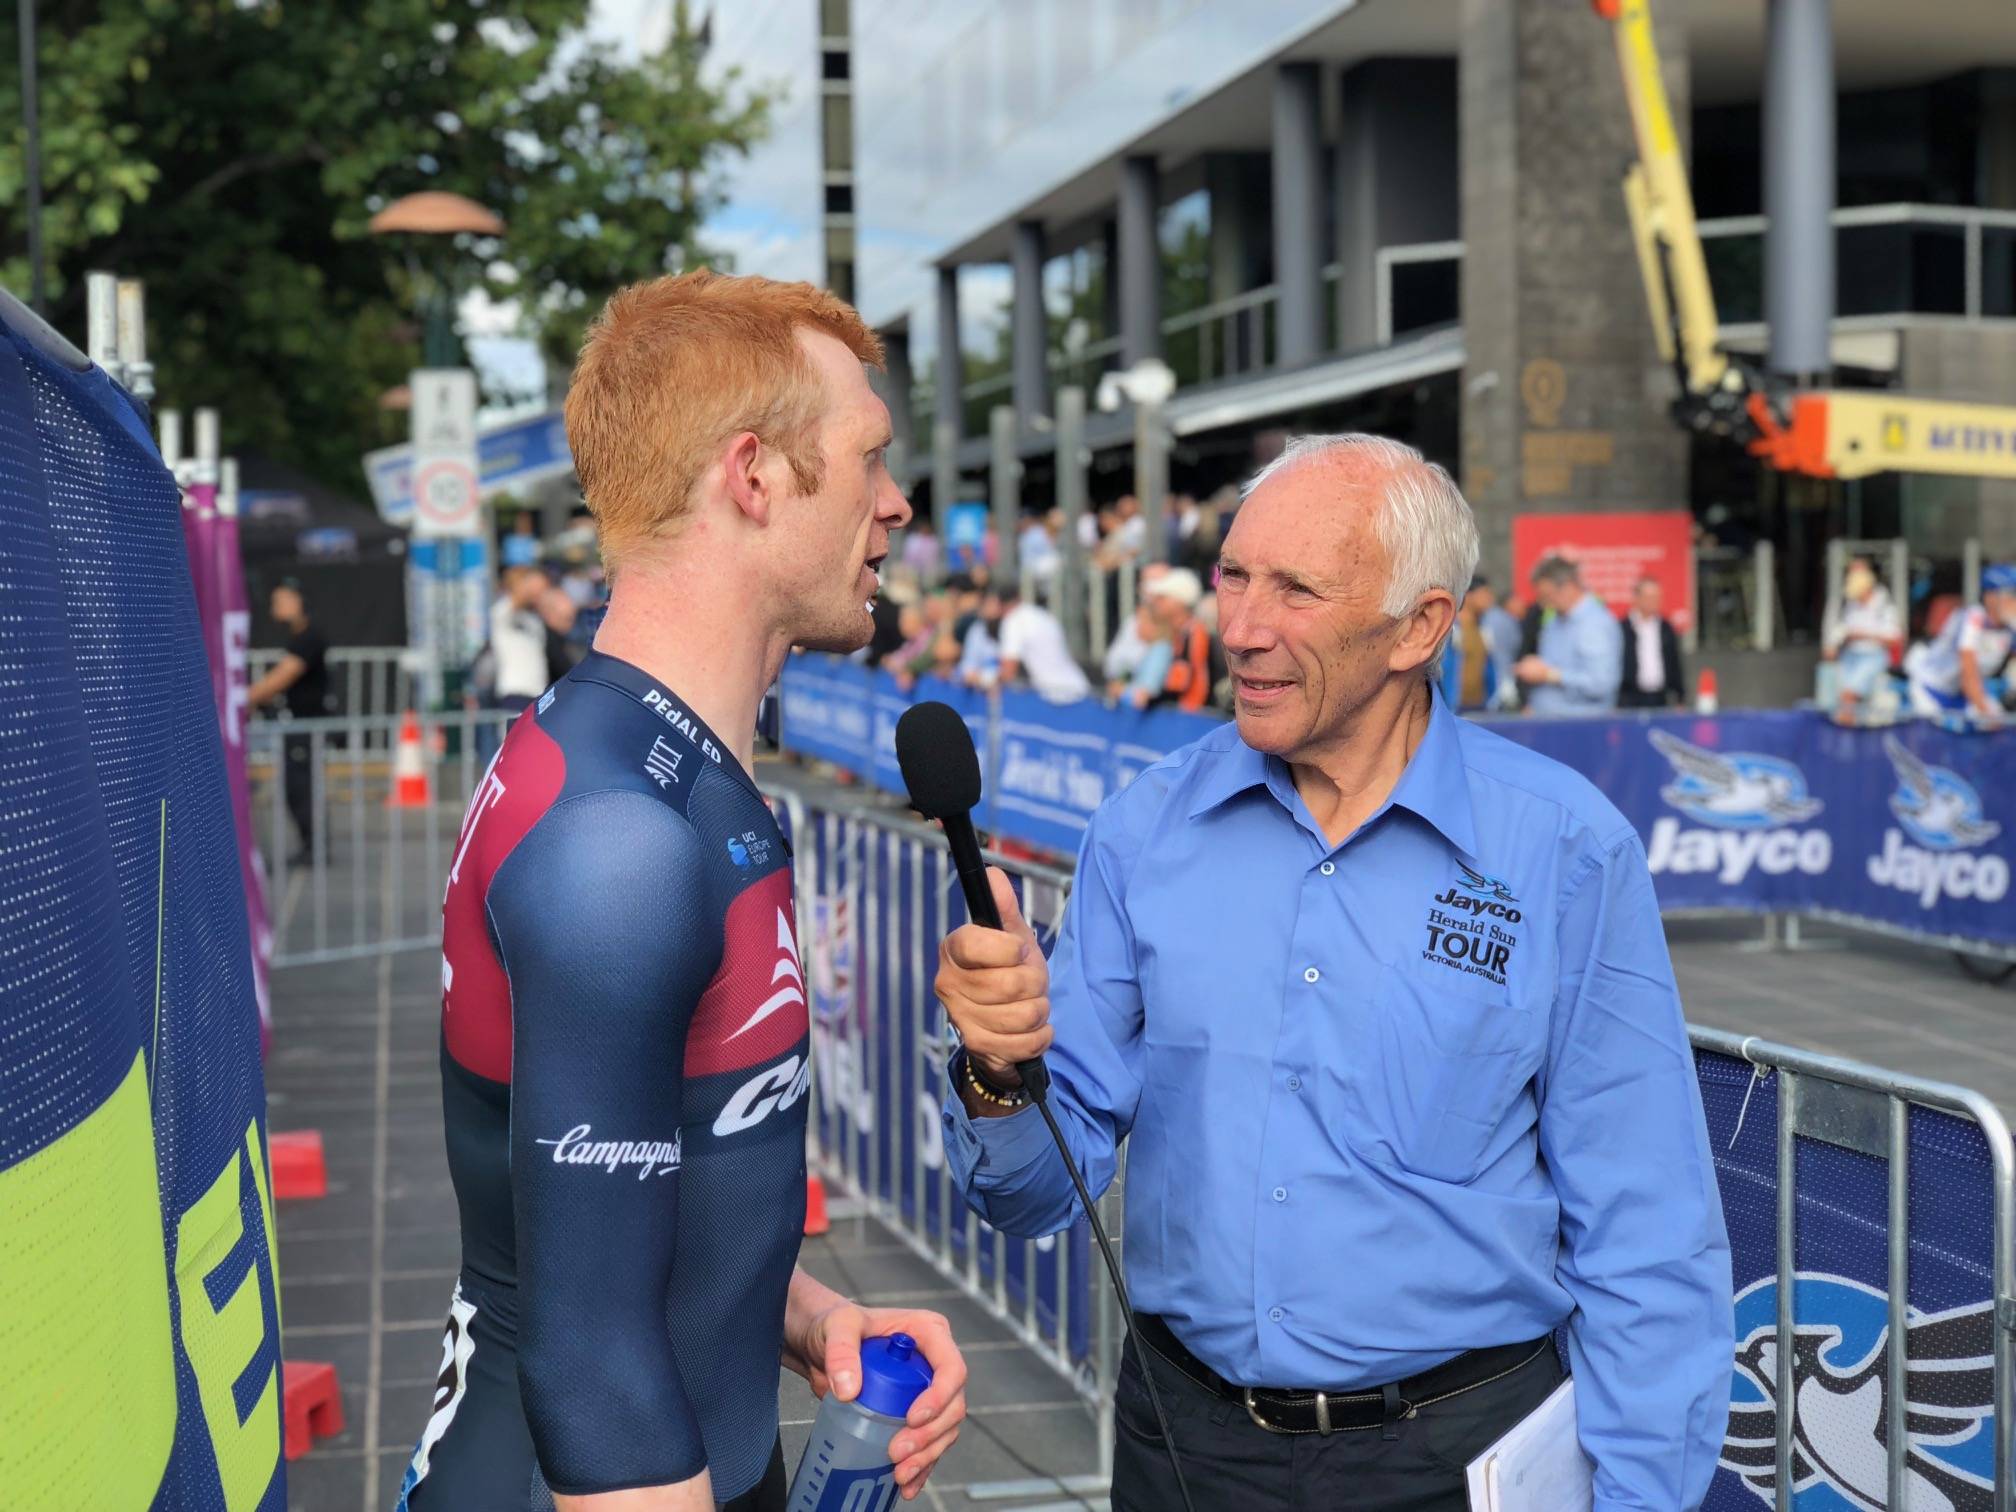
[(1550, 646)]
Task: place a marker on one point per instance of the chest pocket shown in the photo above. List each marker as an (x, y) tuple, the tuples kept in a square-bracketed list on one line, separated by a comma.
[(1438, 1072)]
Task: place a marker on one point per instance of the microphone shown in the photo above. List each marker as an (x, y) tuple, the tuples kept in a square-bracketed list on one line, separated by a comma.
[(942, 771)]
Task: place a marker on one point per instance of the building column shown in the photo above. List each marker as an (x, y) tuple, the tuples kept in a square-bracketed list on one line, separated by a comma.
[(1564, 397), (1031, 336), (896, 381), (948, 406), (1799, 187), (1396, 177), (1140, 263), (1298, 214)]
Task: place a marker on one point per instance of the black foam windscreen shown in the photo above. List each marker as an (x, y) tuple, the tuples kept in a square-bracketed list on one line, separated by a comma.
[(940, 767)]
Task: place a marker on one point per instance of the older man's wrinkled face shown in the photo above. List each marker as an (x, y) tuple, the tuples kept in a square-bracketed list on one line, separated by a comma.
[(1301, 579)]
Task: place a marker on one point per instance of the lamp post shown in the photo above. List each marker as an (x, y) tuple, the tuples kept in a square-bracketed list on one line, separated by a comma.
[(448, 565)]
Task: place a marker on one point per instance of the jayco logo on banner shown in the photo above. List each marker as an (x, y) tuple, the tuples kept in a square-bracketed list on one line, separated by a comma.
[(1749, 806), (1840, 1455), (1931, 856)]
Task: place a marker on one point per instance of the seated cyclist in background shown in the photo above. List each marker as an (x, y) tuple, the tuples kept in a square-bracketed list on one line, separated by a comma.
[(624, 1028)]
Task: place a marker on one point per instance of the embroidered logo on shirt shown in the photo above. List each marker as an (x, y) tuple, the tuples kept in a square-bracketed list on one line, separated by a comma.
[(1469, 926)]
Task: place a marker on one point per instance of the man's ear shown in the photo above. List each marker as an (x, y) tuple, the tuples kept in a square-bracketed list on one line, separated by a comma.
[(1424, 631), (742, 468)]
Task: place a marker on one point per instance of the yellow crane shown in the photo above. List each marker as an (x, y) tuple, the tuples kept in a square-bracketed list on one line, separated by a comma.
[(1823, 433)]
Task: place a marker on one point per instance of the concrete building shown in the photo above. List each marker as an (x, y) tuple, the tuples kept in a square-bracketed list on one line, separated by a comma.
[(1405, 215)]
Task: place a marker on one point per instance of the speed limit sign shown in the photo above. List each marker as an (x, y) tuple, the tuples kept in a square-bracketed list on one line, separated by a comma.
[(446, 498)]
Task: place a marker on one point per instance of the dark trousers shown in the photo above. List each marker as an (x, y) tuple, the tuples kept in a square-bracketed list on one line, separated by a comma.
[(298, 754), (1233, 1465)]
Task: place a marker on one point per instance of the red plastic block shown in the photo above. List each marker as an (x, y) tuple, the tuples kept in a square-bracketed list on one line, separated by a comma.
[(816, 1221), (298, 1170), (312, 1406)]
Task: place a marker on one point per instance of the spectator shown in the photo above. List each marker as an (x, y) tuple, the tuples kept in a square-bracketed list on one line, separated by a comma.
[(912, 659), (1127, 540), (1033, 648), (980, 650), (558, 613), (1037, 549), (1580, 660), (1862, 635), (920, 550), (1173, 597), (1151, 670), (1477, 669), (517, 651), (1656, 678), (521, 546), (301, 680), (1130, 641), (1949, 673), (963, 594)]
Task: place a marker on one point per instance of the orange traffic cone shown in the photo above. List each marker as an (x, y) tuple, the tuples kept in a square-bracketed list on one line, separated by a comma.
[(409, 767), (816, 1221), (1706, 700)]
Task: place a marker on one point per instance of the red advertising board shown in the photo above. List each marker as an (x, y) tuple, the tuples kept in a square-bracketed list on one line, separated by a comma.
[(1614, 551)]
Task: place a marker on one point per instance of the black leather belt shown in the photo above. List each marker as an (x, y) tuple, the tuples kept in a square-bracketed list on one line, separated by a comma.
[(1328, 1412)]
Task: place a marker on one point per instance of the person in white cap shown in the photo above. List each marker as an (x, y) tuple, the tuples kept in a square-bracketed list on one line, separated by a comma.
[(1173, 599)]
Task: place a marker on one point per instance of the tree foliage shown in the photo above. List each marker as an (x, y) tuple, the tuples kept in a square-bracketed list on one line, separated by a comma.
[(232, 152)]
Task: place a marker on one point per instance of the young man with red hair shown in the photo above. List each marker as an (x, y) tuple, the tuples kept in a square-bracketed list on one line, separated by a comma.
[(624, 1025)]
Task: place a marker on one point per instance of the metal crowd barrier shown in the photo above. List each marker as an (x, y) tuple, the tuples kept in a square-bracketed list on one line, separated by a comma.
[(371, 878), (370, 682), (875, 894)]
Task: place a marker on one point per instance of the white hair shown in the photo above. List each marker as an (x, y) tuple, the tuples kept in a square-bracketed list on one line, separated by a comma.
[(1424, 522)]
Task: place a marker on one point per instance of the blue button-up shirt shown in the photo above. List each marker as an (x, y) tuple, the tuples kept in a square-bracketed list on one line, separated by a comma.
[(1586, 646), (1424, 1091)]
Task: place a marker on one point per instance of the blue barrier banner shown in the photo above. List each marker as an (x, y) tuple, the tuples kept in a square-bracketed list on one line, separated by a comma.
[(1913, 826), (1841, 1322)]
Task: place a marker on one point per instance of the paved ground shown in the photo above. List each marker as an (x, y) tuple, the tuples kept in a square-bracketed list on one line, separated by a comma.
[(366, 1271)]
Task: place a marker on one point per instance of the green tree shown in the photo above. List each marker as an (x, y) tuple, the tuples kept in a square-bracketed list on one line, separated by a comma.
[(231, 153)]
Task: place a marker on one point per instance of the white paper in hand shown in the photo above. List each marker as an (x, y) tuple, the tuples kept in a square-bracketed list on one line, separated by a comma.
[(1538, 1466)]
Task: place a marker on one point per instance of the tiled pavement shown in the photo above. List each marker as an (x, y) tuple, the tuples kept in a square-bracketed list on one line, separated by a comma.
[(366, 1271)]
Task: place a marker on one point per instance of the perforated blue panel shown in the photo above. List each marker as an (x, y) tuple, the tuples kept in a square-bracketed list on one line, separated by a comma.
[(122, 913)]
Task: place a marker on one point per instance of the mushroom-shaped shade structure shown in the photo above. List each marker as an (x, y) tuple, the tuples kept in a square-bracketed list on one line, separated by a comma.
[(436, 213)]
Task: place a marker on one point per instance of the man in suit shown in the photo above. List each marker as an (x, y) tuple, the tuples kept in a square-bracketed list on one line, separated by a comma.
[(1653, 676)]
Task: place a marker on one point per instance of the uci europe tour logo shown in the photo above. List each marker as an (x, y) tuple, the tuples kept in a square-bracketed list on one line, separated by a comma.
[(1748, 808), (1940, 823), (1841, 1385)]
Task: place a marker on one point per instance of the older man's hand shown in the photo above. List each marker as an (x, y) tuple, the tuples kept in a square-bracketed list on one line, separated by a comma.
[(995, 986)]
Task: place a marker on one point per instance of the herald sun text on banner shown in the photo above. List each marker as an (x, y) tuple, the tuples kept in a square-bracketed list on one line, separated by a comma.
[(1615, 551), (1912, 827)]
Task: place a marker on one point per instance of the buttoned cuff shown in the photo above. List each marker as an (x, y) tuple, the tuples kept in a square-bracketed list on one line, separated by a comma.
[(984, 1150)]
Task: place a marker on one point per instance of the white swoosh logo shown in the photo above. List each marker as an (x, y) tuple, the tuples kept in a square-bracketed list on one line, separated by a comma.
[(787, 967)]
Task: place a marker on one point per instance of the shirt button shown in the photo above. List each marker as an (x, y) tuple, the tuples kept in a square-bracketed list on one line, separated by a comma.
[(1294, 1085), (1328, 868), (1312, 975), (1274, 1315), (948, 1119), (1280, 1194)]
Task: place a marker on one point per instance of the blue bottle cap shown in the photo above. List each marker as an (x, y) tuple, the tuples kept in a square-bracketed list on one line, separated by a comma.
[(893, 1375)]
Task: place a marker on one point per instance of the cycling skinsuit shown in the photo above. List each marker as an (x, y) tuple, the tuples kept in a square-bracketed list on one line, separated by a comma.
[(624, 1054)]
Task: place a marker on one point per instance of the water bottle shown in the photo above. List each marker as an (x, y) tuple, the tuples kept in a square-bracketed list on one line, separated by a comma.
[(846, 1467)]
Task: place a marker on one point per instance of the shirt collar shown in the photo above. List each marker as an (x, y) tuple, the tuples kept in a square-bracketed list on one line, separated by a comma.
[(1435, 786)]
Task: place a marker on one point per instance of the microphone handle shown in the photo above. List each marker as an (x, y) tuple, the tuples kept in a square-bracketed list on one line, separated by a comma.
[(972, 869)]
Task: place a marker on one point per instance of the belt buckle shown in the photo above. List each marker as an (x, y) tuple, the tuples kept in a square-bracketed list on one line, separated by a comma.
[(1246, 1394), (1322, 1413)]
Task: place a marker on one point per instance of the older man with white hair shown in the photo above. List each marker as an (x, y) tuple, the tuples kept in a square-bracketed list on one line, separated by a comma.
[(1383, 1004)]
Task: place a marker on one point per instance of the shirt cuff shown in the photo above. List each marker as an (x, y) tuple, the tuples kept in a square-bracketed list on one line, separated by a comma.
[(984, 1150)]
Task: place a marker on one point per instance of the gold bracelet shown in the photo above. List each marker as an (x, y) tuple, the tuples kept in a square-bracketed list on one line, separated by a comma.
[(988, 1094)]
